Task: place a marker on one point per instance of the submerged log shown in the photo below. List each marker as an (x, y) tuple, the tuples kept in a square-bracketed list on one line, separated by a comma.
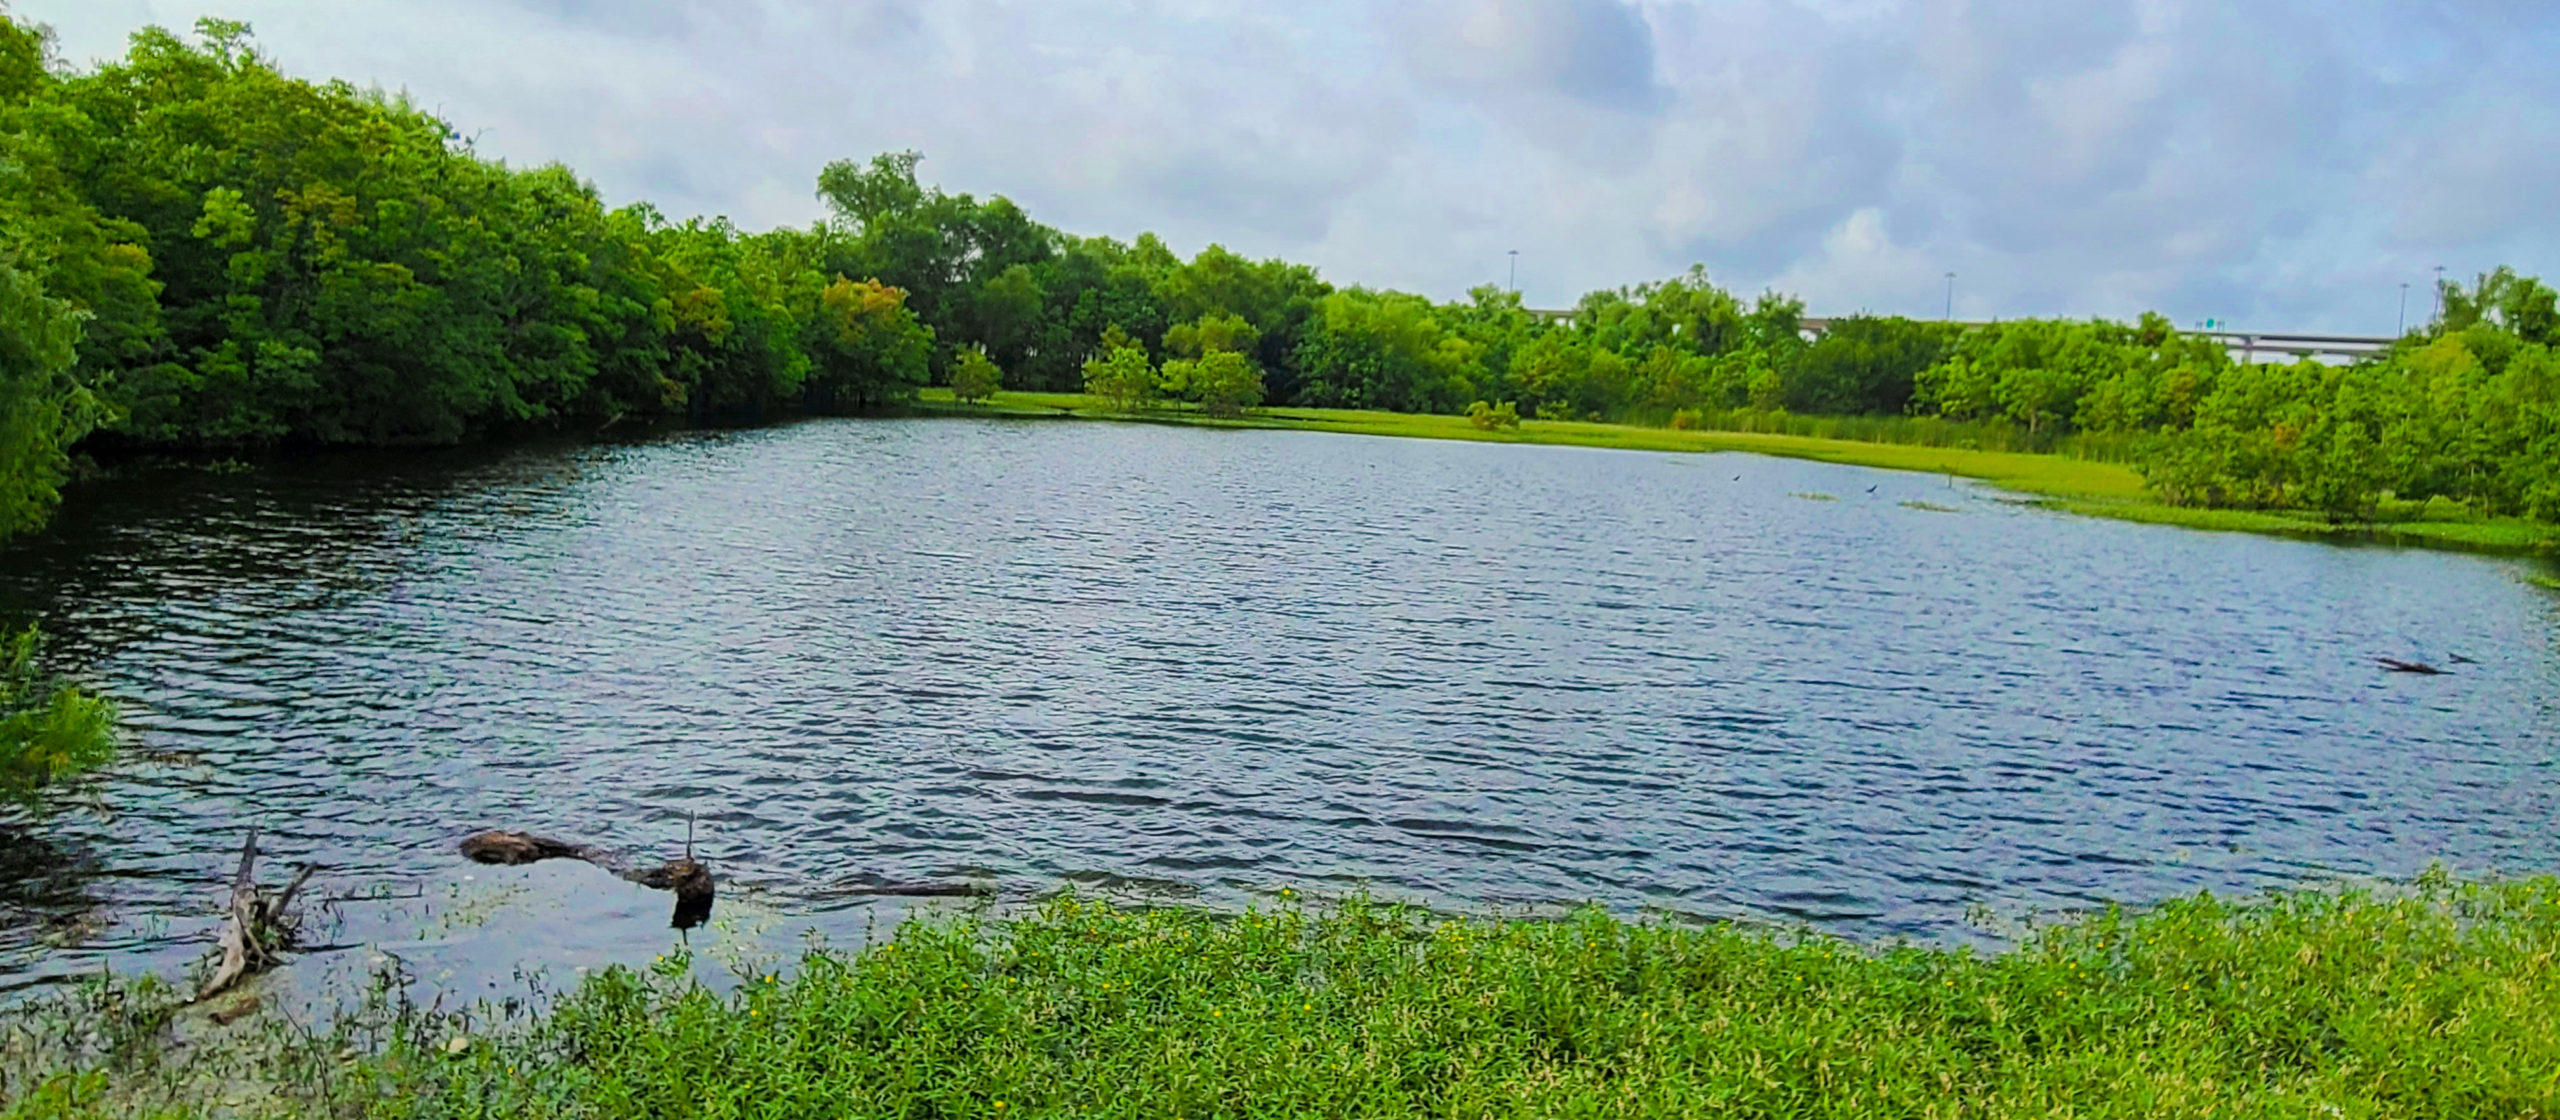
[(872, 886), (513, 848), (259, 927), (691, 881), (2398, 666)]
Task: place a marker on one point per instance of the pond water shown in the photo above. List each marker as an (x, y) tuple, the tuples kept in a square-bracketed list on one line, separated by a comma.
[(1189, 664)]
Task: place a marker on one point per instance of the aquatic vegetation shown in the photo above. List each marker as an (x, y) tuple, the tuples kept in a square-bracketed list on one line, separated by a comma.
[(1814, 496), (1929, 507)]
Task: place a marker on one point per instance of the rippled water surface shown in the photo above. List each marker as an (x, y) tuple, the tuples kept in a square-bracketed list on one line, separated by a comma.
[(1202, 664)]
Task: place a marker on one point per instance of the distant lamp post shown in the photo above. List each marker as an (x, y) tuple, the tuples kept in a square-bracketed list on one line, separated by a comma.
[(2404, 307), (1951, 298), (2439, 293), (1515, 272)]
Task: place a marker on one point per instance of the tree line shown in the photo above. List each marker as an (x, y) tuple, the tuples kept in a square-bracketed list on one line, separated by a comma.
[(198, 252)]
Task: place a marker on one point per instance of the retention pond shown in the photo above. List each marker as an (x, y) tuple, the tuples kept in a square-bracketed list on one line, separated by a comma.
[(1193, 664)]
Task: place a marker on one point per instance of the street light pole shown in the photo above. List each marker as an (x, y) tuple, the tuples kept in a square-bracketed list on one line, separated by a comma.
[(1515, 272), (1951, 298), (2439, 293), (2404, 307)]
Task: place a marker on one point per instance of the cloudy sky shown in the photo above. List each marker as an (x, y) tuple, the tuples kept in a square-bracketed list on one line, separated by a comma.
[(2285, 164)]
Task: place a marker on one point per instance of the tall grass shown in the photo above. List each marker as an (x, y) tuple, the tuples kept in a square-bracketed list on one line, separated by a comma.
[(1920, 431), (2430, 1001)]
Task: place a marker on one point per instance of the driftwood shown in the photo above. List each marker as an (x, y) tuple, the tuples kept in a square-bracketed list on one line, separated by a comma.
[(512, 848), (690, 880), (2398, 666), (260, 927)]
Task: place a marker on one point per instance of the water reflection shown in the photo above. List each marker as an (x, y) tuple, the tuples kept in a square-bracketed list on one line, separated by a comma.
[(50, 893)]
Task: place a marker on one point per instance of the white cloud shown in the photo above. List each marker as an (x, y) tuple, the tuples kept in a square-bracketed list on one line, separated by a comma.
[(2278, 161)]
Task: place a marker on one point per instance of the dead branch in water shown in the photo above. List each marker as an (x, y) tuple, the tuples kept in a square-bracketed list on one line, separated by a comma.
[(2419, 667), (259, 927)]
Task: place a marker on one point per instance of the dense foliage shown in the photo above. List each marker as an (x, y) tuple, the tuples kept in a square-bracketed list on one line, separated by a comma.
[(50, 730), (251, 259), (2421, 1002), (2468, 410), (199, 252)]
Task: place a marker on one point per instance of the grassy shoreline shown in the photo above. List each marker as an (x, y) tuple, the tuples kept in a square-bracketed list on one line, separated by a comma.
[(2086, 487), (2428, 1000)]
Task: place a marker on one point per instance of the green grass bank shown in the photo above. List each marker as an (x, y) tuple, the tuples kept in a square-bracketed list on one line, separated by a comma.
[(2084, 486), (2431, 1000)]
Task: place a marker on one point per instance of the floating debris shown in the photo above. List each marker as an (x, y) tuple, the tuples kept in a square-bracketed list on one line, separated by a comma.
[(1930, 507), (690, 880), (1814, 496)]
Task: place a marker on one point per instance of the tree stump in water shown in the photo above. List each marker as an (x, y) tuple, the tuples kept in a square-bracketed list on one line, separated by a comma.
[(690, 881), (261, 926)]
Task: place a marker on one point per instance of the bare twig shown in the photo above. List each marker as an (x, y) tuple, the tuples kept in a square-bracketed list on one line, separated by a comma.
[(248, 861), (376, 895), (284, 901), (237, 941)]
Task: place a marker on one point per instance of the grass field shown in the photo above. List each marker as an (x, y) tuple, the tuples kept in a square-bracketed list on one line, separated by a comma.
[(2433, 1000), (2083, 486)]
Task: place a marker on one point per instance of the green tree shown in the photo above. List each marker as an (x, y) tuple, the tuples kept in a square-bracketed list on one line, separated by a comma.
[(43, 411), (2037, 396), (1211, 333), (974, 378), (1862, 364), (867, 348), (1225, 382), (2522, 305), (50, 730), (1120, 375), (1389, 350), (871, 195)]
